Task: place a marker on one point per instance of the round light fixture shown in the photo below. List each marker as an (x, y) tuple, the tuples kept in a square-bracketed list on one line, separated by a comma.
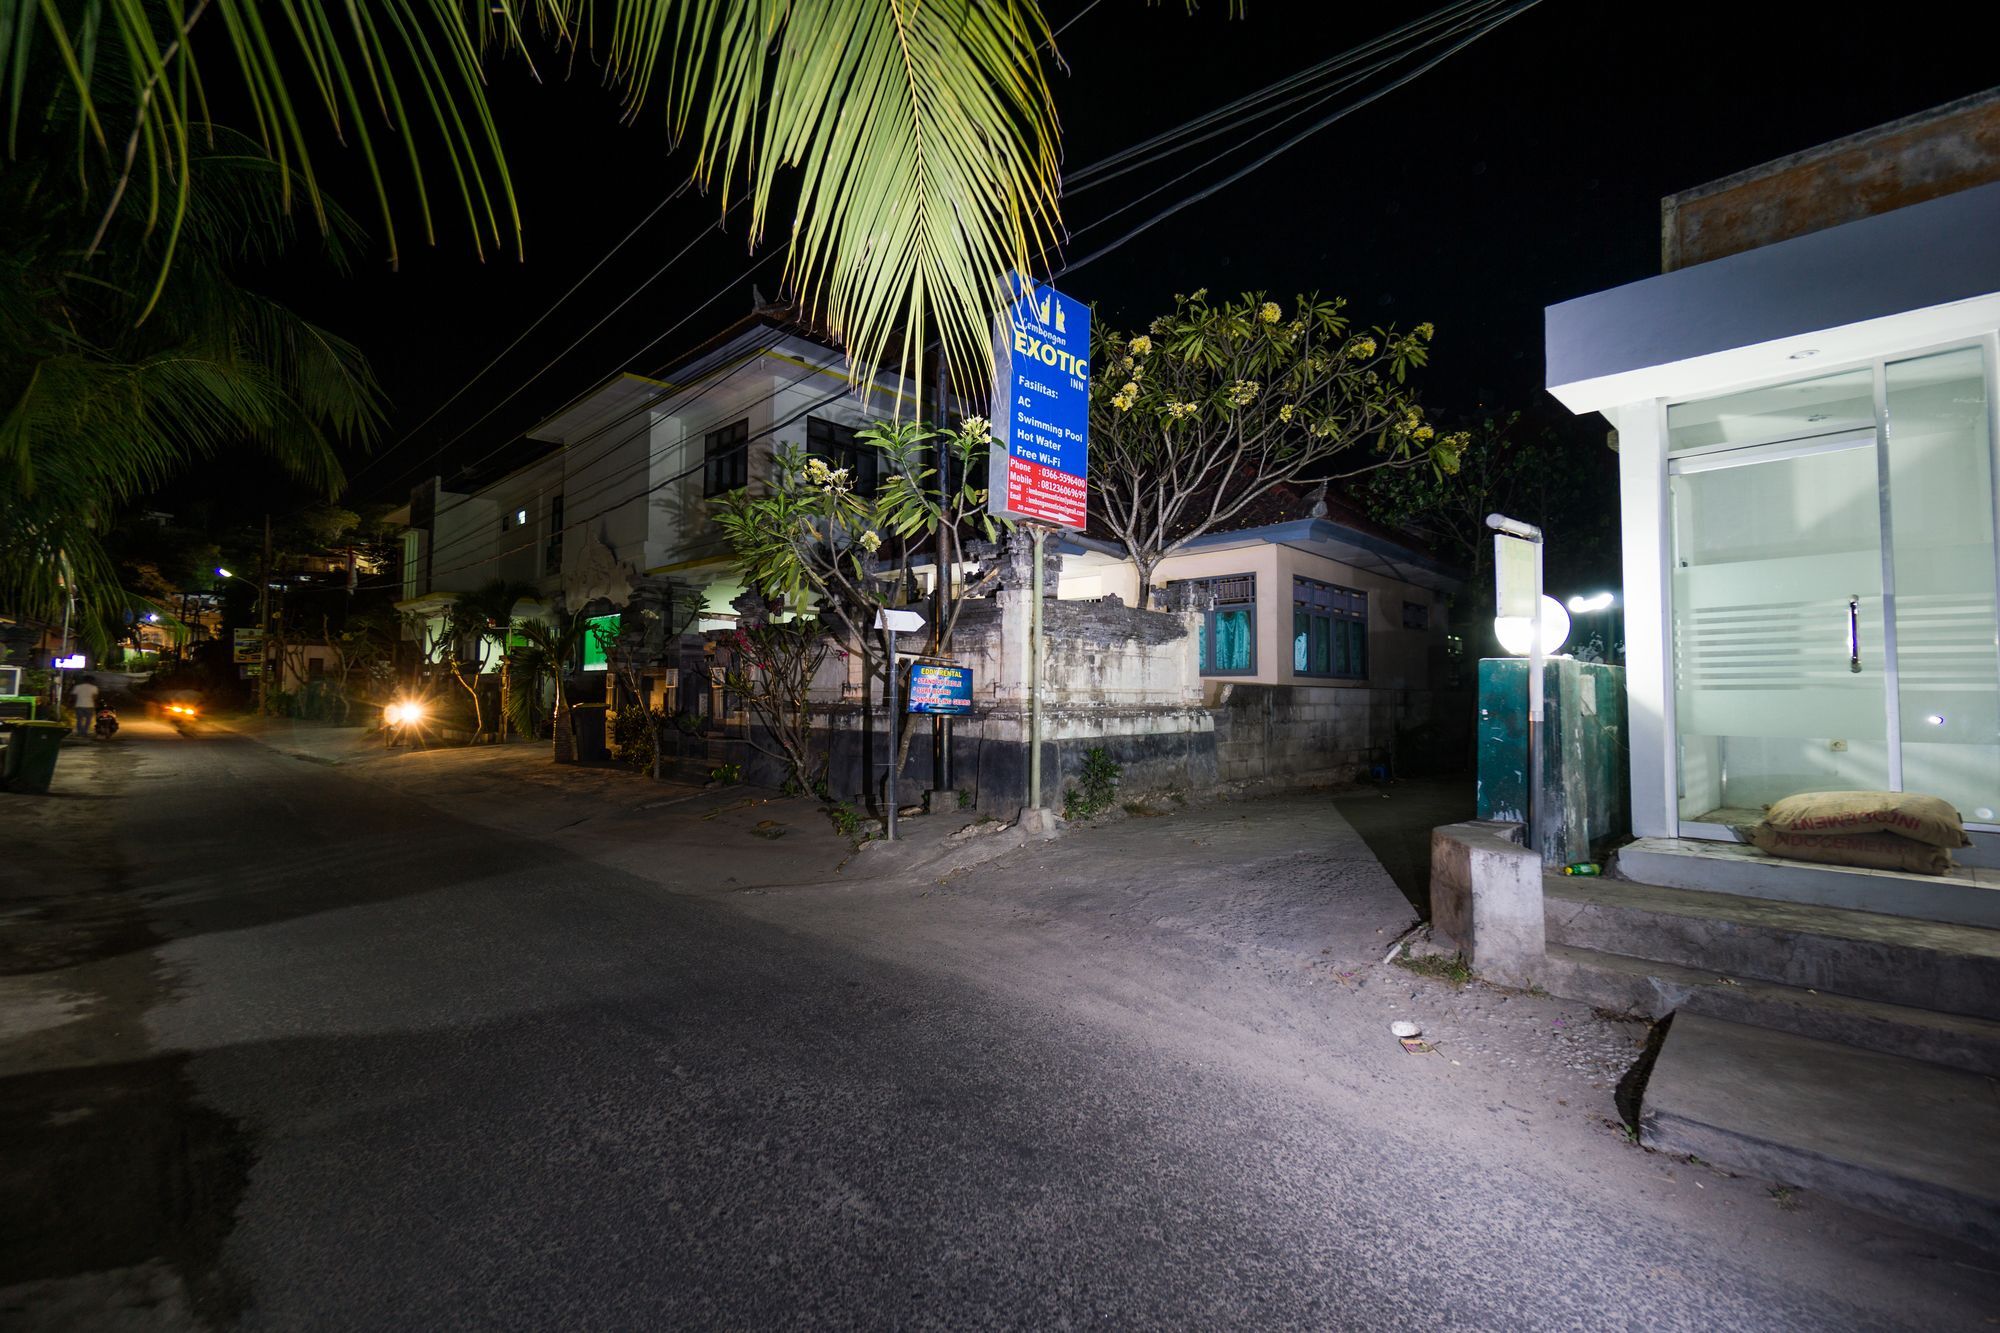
[(1935, 719), (1516, 633)]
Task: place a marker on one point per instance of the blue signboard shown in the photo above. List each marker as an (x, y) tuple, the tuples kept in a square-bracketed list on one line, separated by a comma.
[(940, 689), (1041, 408)]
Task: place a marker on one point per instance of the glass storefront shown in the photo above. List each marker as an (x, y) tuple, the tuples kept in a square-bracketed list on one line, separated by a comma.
[(1833, 586)]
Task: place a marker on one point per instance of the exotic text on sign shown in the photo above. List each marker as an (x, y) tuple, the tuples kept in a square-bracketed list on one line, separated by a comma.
[(1040, 461)]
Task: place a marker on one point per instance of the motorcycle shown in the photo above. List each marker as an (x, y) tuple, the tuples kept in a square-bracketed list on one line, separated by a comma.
[(107, 722)]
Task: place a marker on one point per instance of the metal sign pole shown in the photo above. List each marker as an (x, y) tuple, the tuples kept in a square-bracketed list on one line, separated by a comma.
[(1512, 599), (895, 716), (892, 623), (1537, 807), (1035, 678)]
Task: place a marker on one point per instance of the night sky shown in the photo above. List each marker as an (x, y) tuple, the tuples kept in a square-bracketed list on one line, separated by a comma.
[(1525, 170)]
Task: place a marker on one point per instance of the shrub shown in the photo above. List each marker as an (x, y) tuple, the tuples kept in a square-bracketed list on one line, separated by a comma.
[(635, 734), (1094, 787)]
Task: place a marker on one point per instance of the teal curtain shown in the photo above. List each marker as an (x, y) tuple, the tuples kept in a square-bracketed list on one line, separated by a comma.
[(1232, 639)]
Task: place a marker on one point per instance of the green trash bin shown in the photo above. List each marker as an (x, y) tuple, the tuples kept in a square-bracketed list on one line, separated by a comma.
[(31, 755)]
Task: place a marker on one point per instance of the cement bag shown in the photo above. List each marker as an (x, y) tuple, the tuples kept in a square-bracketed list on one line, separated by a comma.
[(1875, 851), (1924, 818)]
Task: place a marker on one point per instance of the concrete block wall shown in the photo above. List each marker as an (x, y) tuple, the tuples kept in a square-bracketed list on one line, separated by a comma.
[(1122, 680), (1317, 732)]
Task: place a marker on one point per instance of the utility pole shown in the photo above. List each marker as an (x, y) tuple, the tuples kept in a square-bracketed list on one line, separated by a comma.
[(69, 599), (264, 619), (941, 553)]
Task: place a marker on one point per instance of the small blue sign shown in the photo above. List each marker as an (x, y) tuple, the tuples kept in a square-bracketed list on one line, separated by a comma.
[(1040, 462), (940, 689)]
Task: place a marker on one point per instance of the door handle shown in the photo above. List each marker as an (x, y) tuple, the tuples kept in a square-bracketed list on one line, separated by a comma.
[(1854, 634)]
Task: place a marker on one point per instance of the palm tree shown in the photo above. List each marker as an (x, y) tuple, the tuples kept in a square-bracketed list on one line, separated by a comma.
[(476, 618), (98, 406), (923, 132), (545, 656)]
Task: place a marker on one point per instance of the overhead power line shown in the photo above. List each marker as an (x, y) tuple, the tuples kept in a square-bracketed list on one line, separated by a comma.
[(1246, 109), (1161, 216), (487, 369)]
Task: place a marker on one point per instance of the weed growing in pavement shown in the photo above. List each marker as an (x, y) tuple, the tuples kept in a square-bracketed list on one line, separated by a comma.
[(1094, 785), (1444, 967), (964, 800), (726, 775), (846, 822), (1782, 1195)]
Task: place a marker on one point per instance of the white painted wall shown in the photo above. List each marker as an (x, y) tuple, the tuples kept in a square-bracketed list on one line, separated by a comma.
[(1642, 504)]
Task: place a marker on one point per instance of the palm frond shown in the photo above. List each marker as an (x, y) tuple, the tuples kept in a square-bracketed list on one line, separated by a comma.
[(922, 132), (408, 71), (924, 137)]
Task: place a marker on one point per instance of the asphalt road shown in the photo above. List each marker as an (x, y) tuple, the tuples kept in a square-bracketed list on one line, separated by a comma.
[(399, 1070)]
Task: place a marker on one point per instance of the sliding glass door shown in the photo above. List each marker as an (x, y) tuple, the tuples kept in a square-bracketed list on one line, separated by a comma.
[(1833, 595)]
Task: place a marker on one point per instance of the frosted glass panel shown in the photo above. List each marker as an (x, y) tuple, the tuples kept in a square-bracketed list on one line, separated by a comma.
[(1776, 412), (1941, 526), (1777, 598)]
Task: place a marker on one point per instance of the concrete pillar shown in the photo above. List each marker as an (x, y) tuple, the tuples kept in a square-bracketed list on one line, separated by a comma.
[(1486, 898)]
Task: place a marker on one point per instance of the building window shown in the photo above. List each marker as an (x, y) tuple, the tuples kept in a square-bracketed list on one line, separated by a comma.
[(1416, 615), (552, 549), (1227, 636), (726, 459), (840, 446), (1329, 630), (413, 563), (596, 630)]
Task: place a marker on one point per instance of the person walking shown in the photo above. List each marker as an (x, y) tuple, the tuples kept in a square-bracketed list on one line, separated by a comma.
[(84, 699)]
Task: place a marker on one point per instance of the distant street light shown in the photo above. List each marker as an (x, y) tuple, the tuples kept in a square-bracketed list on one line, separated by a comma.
[(225, 573), (1595, 601)]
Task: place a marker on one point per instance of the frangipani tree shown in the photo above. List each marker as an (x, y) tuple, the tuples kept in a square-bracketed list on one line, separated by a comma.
[(813, 543), (1215, 404)]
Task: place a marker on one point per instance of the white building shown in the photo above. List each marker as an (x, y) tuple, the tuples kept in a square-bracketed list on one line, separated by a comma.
[(604, 502), (1805, 417)]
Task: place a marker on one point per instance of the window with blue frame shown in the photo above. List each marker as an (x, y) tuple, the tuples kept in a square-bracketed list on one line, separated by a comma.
[(1329, 631), (1228, 630)]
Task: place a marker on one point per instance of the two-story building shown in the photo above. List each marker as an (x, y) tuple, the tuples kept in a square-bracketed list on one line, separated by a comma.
[(1314, 637)]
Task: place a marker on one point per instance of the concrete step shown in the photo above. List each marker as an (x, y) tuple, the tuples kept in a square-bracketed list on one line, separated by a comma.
[(1895, 1136), (1653, 989), (1954, 969), (1969, 896)]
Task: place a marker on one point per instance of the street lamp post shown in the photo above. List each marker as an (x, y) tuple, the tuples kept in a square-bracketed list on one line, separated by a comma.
[(263, 587)]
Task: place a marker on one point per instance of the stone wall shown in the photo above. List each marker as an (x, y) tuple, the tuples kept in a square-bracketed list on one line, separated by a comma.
[(1119, 679)]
